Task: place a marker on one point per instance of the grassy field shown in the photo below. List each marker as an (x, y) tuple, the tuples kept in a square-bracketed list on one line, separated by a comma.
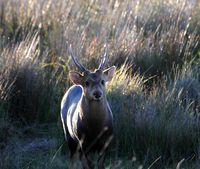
[(155, 94)]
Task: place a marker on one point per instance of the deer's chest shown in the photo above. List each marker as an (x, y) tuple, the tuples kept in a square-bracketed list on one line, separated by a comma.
[(97, 135)]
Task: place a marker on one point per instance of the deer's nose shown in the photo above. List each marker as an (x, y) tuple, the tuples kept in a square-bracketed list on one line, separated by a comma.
[(97, 94)]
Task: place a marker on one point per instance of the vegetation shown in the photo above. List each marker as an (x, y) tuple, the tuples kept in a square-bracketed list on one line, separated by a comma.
[(155, 95)]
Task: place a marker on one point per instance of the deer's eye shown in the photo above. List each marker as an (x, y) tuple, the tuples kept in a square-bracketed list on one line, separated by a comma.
[(103, 82), (87, 83)]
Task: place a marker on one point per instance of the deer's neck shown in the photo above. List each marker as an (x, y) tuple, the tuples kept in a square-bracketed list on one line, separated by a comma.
[(94, 112)]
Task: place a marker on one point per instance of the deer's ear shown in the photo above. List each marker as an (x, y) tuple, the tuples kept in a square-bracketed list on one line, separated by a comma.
[(75, 77), (108, 73)]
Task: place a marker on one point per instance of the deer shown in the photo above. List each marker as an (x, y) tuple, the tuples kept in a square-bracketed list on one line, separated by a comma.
[(86, 115)]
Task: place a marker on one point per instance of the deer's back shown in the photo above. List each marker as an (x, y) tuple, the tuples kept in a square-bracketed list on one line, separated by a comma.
[(68, 106)]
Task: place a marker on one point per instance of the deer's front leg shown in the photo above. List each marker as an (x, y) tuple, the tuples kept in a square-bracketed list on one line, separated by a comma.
[(101, 160), (84, 161)]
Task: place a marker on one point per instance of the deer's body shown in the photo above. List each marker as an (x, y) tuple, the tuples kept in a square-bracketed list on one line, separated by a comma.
[(87, 120), (86, 115)]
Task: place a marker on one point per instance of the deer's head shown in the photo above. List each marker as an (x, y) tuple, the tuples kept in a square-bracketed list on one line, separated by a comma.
[(93, 82)]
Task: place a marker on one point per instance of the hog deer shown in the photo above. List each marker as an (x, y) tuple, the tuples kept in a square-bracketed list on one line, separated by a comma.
[(86, 115)]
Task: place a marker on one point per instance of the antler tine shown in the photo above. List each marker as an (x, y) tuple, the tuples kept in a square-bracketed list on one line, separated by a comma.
[(104, 59), (80, 66)]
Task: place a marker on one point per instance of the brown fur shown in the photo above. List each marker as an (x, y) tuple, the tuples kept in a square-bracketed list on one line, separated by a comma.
[(90, 122)]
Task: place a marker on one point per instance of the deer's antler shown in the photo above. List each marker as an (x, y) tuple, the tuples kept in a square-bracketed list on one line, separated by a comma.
[(80, 66), (104, 59)]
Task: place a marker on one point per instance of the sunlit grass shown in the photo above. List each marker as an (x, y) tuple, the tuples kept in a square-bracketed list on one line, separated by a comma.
[(154, 95)]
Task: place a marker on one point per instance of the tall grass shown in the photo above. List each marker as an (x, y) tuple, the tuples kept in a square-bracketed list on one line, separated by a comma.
[(154, 95), (160, 123)]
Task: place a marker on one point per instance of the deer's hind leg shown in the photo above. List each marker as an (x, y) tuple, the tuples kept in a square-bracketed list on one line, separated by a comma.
[(73, 146)]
